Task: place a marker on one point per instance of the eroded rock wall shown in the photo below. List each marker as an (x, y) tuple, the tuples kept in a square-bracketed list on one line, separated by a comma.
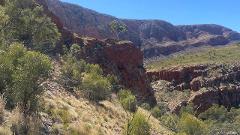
[(124, 60), (208, 84)]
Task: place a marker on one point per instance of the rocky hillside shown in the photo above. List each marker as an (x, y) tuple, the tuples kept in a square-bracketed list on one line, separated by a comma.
[(155, 37), (210, 76)]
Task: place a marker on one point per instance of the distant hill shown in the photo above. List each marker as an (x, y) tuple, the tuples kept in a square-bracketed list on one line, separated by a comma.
[(155, 37)]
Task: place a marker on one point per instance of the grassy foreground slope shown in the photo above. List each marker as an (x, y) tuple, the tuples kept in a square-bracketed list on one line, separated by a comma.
[(227, 54), (76, 115)]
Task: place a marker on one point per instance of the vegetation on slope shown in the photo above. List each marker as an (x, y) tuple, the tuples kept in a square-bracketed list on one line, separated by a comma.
[(227, 54), (76, 97)]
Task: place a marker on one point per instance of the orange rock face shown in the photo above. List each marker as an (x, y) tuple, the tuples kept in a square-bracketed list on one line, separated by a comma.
[(124, 60), (178, 76)]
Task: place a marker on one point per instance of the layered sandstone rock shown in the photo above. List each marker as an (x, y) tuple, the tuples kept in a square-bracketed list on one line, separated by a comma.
[(179, 75)]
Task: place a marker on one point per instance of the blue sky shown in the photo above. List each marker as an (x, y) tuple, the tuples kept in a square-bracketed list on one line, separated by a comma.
[(223, 12)]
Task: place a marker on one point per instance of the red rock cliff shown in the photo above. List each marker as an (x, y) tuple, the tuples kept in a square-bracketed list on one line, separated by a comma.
[(122, 59), (179, 76)]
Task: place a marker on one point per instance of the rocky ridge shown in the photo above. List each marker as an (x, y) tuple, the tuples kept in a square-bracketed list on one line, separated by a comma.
[(154, 37)]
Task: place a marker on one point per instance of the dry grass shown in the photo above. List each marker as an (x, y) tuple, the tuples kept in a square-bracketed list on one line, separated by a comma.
[(82, 117), (78, 116), (66, 109), (2, 107), (156, 126)]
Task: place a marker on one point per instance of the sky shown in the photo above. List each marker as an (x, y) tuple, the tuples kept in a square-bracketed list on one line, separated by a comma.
[(177, 12)]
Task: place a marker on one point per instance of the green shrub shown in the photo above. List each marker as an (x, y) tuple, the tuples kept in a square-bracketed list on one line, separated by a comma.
[(96, 87), (190, 125), (215, 113), (170, 121), (128, 100), (72, 71), (22, 72), (138, 125), (157, 112), (75, 51), (114, 82), (29, 25), (187, 109), (89, 78)]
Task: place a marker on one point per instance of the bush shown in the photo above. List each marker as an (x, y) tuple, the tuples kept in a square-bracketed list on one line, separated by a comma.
[(190, 125), (89, 78), (157, 112), (138, 125), (215, 113), (170, 121), (114, 82), (21, 74), (128, 100), (96, 87), (187, 109), (75, 51), (72, 71), (32, 70), (29, 25)]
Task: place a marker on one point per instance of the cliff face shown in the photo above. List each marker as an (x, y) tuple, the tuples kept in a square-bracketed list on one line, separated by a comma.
[(226, 96), (122, 59), (208, 84), (154, 37)]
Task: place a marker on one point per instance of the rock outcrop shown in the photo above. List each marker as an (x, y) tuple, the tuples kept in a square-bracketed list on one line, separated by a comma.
[(154, 37), (179, 75), (226, 96), (208, 84), (122, 59)]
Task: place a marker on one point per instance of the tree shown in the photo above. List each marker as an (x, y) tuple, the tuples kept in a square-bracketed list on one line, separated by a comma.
[(117, 28), (8, 63), (32, 70), (21, 73), (28, 24)]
